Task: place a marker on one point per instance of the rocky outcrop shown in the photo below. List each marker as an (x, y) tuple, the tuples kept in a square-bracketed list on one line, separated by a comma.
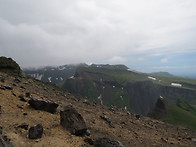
[(9, 66), (107, 142), (36, 132), (71, 120), (160, 109), (44, 105)]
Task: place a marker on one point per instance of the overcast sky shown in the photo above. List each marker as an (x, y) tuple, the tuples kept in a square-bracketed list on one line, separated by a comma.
[(146, 35)]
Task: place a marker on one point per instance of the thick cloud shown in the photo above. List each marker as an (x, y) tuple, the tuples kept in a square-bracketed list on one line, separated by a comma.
[(48, 32)]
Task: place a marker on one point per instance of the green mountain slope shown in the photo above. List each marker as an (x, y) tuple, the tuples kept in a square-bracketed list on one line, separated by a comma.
[(178, 116), (125, 88)]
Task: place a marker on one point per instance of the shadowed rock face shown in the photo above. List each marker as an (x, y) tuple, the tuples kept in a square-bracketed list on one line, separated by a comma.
[(44, 105), (72, 121), (160, 109), (9, 66)]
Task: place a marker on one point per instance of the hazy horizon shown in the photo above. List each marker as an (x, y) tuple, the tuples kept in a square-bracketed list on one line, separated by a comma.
[(147, 36)]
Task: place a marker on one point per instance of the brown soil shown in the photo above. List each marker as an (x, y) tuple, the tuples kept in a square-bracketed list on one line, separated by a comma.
[(127, 128)]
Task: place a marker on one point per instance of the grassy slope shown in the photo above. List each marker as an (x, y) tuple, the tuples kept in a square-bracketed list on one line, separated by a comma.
[(178, 116)]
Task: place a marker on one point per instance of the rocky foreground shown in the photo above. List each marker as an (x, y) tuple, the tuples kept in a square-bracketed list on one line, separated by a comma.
[(36, 114)]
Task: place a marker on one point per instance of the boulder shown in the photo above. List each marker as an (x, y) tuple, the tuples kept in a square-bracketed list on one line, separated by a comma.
[(5, 142), (36, 132), (71, 120), (107, 142), (44, 105)]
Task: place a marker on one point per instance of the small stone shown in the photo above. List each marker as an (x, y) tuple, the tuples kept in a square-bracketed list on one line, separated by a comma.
[(16, 80), (8, 87), (13, 93), (22, 87), (19, 106), (28, 94), (137, 116), (21, 96), (86, 102), (25, 114), (104, 117), (24, 126), (23, 100), (107, 119), (3, 88), (36, 132), (88, 133)]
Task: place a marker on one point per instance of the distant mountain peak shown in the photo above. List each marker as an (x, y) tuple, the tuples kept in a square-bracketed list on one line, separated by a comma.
[(162, 73)]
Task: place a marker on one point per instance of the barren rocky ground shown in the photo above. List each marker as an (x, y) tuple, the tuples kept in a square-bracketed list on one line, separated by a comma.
[(130, 129)]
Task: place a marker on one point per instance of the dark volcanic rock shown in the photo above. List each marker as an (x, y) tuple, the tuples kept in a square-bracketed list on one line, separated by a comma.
[(72, 121), (107, 142), (21, 96), (4, 87), (36, 132), (44, 105), (28, 94), (25, 114), (24, 126), (9, 66), (5, 142)]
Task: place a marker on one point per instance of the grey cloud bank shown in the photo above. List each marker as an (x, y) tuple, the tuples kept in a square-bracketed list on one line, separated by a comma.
[(46, 32)]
